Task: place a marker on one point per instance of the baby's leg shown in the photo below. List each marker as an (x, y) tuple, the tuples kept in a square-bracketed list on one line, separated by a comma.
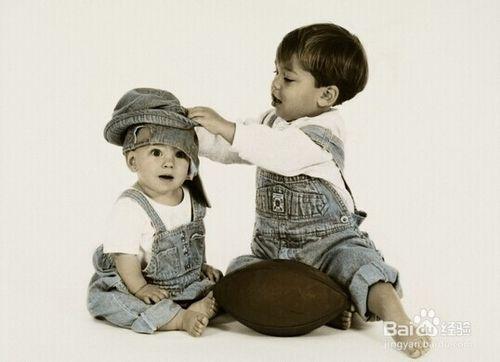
[(124, 310), (187, 320), (206, 306), (384, 302)]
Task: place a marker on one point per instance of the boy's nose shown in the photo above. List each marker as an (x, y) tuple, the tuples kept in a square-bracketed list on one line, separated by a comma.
[(275, 85)]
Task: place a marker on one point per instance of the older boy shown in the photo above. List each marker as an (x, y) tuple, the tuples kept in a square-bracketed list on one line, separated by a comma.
[(304, 207)]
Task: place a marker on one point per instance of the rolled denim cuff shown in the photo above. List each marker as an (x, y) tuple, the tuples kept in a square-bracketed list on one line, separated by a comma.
[(155, 316), (364, 278), (241, 262)]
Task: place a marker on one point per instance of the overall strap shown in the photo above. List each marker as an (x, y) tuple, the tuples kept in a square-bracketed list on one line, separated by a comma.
[(328, 141), (139, 197), (332, 144), (269, 118)]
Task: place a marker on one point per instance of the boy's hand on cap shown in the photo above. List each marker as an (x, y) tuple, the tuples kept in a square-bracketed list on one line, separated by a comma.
[(212, 122), (207, 117), (151, 293)]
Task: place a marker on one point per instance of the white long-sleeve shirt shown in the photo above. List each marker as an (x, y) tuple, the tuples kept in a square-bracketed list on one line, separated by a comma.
[(283, 148)]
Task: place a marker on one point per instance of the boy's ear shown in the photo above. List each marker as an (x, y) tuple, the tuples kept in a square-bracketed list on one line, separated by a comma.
[(131, 163), (328, 96)]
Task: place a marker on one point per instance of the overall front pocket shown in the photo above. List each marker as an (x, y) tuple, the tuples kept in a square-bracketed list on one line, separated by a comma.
[(292, 204), (166, 264)]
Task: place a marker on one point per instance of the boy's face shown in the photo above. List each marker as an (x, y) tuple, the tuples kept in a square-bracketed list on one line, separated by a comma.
[(161, 169), (293, 91)]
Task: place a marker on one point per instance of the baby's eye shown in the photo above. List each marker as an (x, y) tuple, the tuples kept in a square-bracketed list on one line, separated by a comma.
[(180, 154), (287, 79), (156, 152)]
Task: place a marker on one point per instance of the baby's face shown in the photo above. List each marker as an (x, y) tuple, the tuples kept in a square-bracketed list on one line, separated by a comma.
[(293, 92), (161, 169)]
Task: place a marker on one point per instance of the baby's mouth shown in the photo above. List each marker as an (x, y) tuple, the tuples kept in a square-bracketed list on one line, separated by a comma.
[(166, 177)]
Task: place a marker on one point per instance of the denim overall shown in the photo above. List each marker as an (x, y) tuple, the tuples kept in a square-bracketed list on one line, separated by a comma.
[(177, 257), (304, 218)]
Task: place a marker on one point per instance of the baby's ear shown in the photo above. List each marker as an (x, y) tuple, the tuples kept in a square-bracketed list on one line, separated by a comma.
[(328, 96), (130, 159)]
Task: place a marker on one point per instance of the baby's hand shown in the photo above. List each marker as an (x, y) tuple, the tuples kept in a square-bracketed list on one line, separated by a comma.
[(211, 273), (212, 122), (151, 293)]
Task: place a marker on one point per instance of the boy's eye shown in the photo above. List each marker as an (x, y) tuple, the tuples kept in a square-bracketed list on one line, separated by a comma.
[(156, 152), (285, 78), (180, 154)]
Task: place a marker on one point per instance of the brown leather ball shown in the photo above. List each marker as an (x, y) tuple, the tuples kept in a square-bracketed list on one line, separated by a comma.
[(281, 297)]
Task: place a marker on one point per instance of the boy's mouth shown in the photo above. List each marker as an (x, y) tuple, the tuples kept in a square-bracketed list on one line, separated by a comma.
[(275, 100)]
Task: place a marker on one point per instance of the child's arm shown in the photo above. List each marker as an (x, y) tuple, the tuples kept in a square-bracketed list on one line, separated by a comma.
[(216, 148), (129, 269), (288, 151), (212, 145)]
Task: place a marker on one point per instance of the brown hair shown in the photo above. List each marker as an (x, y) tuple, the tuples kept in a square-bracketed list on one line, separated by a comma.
[(331, 54)]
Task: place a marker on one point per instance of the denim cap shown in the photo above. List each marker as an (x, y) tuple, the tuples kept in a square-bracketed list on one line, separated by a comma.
[(161, 113), (146, 105)]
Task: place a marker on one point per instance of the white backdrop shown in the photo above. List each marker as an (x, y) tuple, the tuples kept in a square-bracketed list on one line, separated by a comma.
[(422, 159)]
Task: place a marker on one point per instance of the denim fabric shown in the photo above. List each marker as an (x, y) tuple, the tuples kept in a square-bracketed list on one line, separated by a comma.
[(303, 218), (143, 106), (177, 257)]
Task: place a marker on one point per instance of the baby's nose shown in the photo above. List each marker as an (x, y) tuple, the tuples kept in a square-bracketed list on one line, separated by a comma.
[(168, 161)]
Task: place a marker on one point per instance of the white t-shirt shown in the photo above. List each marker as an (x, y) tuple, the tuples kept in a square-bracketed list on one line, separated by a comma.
[(283, 149), (129, 230)]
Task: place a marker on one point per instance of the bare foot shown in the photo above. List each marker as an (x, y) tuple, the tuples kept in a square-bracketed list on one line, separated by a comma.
[(384, 302), (410, 341), (194, 323), (186, 320), (206, 306), (343, 321)]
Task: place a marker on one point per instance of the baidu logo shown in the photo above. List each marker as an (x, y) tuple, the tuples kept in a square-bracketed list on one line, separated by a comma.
[(427, 323)]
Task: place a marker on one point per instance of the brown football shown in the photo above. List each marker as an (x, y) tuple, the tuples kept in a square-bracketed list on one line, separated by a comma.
[(280, 297)]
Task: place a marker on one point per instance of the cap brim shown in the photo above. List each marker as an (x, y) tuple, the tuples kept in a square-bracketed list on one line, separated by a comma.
[(116, 129)]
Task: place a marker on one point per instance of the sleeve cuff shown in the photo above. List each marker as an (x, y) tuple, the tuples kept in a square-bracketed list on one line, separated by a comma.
[(237, 137)]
